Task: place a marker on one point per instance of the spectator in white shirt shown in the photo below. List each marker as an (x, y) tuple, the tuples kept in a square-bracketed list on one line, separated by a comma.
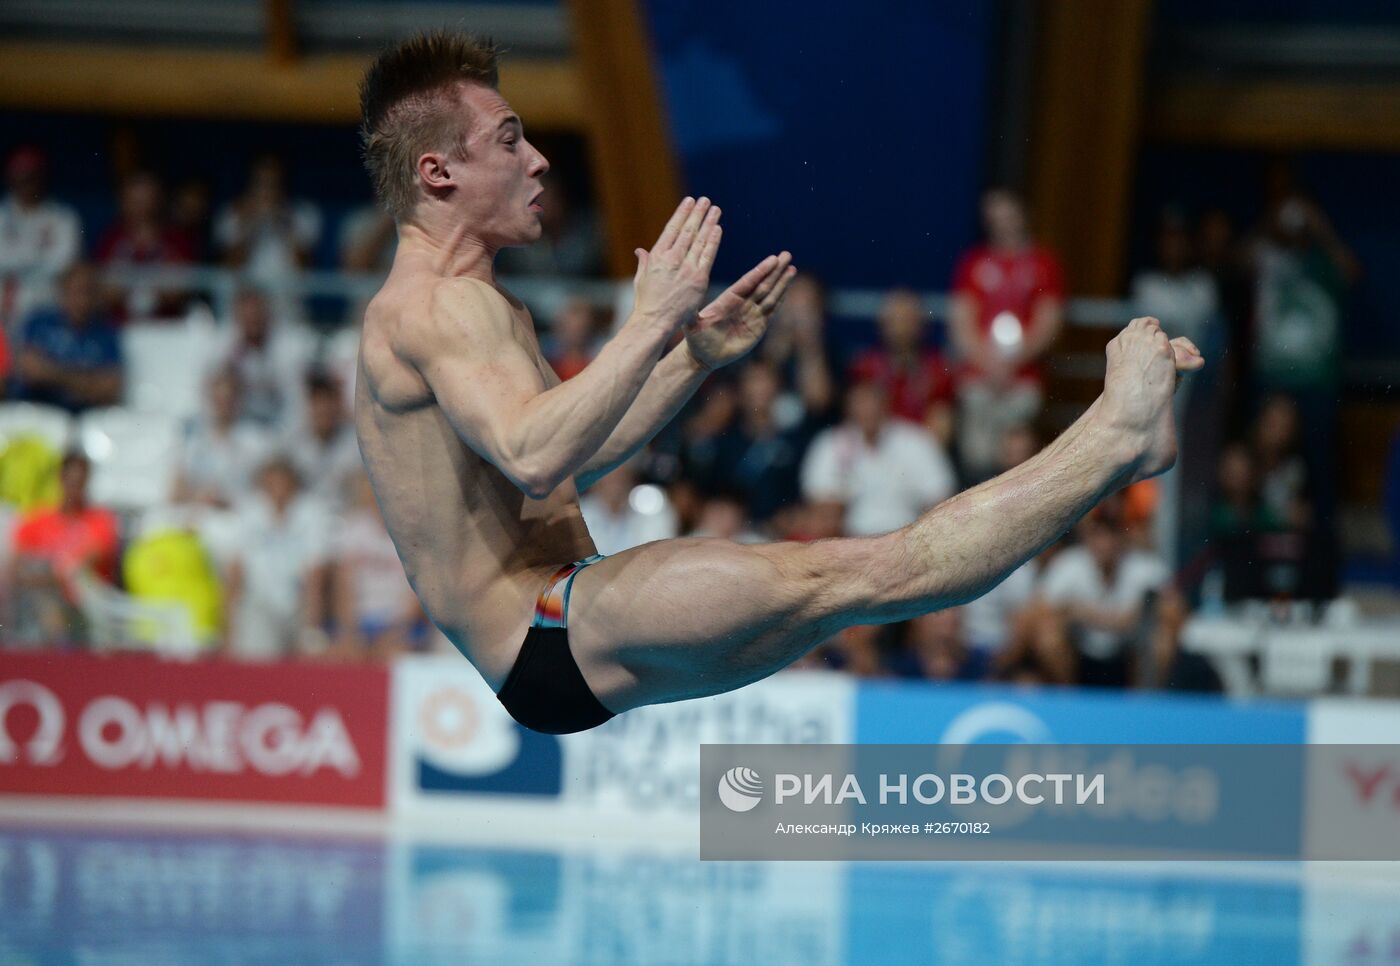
[(1183, 297), (622, 514), (987, 620), (39, 237), (885, 471), (276, 592), (220, 451), (1099, 587), (323, 446), (266, 234), (376, 612), (270, 358)]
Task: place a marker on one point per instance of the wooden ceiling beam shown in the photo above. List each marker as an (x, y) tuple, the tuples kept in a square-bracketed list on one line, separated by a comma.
[(240, 85), (1287, 115)]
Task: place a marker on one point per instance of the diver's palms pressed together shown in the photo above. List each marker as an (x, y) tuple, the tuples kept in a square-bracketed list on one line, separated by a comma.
[(474, 446)]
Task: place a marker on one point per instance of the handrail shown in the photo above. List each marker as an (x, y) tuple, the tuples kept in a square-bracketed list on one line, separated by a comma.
[(222, 283)]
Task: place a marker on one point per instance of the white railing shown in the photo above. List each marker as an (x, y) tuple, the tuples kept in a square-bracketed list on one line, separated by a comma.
[(222, 283)]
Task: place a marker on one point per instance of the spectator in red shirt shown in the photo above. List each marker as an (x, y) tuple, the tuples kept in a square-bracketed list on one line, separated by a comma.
[(915, 378), (51, 546), (143, 236), (1007, 309)]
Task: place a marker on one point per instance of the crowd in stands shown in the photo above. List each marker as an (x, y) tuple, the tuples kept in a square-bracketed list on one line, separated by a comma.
[(272, 536)]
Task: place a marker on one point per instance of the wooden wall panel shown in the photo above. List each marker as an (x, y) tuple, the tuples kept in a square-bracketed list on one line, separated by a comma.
[(245, 85), (634, 165), (1089, 96)]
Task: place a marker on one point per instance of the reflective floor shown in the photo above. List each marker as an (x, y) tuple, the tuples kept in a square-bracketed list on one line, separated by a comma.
[(124, 897)]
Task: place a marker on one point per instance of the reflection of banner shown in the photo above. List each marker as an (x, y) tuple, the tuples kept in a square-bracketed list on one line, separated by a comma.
[(907, 712), (610, 906), (454, 744), (1350, 921), (1141, 915), (135, 726), (142, 897)]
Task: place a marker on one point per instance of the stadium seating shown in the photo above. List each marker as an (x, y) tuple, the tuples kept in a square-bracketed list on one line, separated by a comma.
[(133, 456), (164, 365), (49, 423)]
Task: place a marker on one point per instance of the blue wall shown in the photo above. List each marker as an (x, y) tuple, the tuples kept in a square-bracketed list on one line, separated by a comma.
[(851, 134)]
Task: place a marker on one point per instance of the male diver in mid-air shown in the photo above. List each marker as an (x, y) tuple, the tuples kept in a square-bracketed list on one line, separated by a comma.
[(477, 451)]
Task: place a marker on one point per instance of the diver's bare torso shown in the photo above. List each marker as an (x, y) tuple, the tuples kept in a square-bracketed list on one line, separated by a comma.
[(476, 549)]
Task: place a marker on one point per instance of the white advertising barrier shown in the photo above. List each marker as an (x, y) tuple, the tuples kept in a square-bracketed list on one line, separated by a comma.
[(456, 756), (1355, 794)]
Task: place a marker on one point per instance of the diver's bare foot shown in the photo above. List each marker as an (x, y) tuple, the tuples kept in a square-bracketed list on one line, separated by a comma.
[(1143, 371)]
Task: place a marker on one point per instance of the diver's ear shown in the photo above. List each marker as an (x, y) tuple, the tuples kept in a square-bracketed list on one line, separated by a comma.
[(435, 173)]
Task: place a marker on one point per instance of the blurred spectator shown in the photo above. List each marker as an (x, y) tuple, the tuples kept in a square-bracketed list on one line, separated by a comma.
[(322, 446), (368, 240), (1283, 478), (856, 651), (1169, 666), (1218, 251), (1181, 296), (376, 611), (270, 360), (571, 245), (142, 236), (1304, 271), (276, 591), (39, 238), (988, 619), (1099, 587), (915, 378), (754, 452), (220, 450), (50, 547), (263, 231), (1264, 548), (1039, 651), (166, 562), (69, 355), (723, 516), (796, 344), (621, 513), (689, 503), (1006, 310), (714, 409), (807, 521), (935, 648), (884, 471), (574, 339), (1285, 550), (1139, 502), (1238, 508), (190, 209)]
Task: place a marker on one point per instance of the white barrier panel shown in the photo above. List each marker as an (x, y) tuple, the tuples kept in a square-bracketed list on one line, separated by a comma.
[(1360, 793), (456, 755)]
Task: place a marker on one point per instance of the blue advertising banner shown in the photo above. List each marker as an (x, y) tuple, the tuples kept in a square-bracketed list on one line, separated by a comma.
[(893, 713)]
